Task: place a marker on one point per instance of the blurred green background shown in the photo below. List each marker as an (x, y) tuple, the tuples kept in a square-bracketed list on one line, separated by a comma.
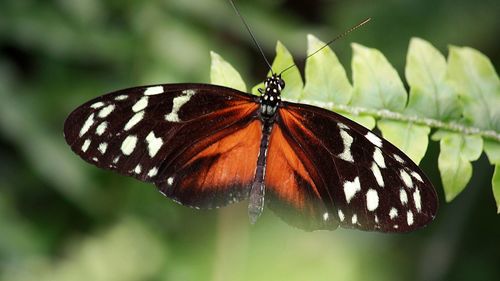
[(62, 219)]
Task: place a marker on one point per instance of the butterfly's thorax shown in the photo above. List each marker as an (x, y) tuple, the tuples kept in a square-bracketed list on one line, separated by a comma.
[(271, 96)]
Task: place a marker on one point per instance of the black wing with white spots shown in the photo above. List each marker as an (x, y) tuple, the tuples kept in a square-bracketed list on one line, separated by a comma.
[(153, 132), (361, 180)]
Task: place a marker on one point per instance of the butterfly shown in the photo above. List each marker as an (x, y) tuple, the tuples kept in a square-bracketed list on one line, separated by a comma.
[(207, 146)]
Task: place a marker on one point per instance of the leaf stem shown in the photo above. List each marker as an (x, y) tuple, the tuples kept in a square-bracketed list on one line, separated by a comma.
[(391, 115)]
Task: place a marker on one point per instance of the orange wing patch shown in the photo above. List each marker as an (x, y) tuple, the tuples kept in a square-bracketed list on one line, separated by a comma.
[(218, 170), (235, 158), (286, 173)]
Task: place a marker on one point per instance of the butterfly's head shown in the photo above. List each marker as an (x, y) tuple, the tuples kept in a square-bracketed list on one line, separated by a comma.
[(271, 94)]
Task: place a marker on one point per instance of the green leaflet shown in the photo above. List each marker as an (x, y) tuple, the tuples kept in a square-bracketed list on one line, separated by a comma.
[(477, 83), (492, 150), (411, 138), (430, 94), (326, 79), (495, 182), (222, 73), (457, 151), (376, 83)]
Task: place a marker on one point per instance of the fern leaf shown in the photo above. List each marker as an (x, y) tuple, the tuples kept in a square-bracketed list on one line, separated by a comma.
[(440, 91)]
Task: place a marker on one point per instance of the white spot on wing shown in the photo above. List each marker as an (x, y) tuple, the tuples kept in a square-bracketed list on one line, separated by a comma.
[(342, 126), (374, 139), (154, 144), (378, 175), (101, 128), (406, 178), (178, 102), (134, 120), (354, 219), (393, 213), (138, 169), (417, 200), (409, 218), (341, 215), (350, 189), (154, 90), (103, 147), (121, 97), (140, 104), (325, 216), (347, 140), (417, 176), (170, 180), (86, 145), (103, 113), (379, 157), (399, 159), (86, 126), (128, 145), (153, 172), (97, 105), (403, 197), (371, 200)]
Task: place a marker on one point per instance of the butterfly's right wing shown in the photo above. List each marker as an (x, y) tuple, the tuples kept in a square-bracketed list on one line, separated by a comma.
[(178, 136), (340, 173)]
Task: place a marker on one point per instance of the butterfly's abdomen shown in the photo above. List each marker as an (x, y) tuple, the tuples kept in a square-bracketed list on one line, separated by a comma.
[(257, 190)]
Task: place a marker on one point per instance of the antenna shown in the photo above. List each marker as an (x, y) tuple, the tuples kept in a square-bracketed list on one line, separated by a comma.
[(251, 34), (331, 41)]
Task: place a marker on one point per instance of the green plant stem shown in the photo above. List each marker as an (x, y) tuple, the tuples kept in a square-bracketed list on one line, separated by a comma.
[(391, 115)]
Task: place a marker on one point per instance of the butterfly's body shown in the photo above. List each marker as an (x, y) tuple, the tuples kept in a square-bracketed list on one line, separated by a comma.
[(270, 100), (207, 146)]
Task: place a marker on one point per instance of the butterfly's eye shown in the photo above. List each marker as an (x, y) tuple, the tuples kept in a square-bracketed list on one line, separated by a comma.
[(281, 83)]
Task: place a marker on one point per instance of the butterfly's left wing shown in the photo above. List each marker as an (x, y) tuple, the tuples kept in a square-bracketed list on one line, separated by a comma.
[(343, 174), (195, 142)]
